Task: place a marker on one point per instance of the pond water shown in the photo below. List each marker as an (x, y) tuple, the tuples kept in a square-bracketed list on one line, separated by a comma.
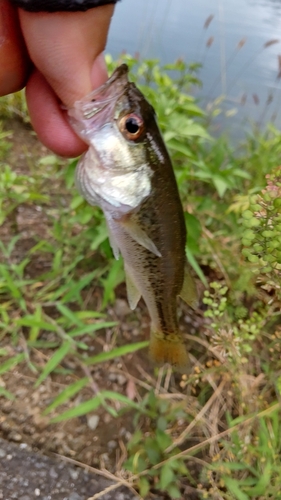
[(237, 41)]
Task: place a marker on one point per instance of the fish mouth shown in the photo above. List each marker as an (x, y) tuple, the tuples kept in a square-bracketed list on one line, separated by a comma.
[(102, 97), (113, 87)]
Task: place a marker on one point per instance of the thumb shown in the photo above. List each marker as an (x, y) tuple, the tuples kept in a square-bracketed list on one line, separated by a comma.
[(64, 46)]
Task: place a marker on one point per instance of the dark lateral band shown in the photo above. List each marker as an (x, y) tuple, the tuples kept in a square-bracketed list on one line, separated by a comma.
[(60, 5)]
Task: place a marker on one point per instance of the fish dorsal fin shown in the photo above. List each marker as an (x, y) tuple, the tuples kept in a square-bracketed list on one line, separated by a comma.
[(133, 293), (131, 226), (189, 292)]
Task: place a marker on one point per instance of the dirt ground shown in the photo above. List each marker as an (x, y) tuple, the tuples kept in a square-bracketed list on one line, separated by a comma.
[(97, 440)]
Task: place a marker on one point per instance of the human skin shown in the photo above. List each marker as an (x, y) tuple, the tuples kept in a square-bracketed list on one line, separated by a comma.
[(60, 61), (13, 54)]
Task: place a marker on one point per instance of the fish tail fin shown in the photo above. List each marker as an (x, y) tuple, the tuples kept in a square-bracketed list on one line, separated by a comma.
[(168, 349)]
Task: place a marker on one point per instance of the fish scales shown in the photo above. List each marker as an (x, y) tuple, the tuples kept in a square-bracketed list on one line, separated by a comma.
[(128, 173)]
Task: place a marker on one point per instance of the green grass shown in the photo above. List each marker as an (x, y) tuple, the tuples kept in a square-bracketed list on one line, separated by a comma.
[(215, 431)]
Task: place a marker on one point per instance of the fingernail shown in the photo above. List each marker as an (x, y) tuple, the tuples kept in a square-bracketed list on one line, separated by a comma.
[(99, 73)]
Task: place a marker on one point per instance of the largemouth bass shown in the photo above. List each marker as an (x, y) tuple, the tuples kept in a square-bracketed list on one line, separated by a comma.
[(128, 173)]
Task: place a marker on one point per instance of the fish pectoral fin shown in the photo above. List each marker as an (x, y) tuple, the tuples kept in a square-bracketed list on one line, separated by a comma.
[(134, 230), (133, 293), (189, 291)]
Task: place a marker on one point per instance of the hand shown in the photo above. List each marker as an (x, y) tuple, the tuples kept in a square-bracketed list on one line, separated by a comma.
[(66, 51)]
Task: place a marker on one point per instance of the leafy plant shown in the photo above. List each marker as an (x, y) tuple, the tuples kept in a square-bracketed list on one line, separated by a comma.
[(262, 223), (150, 450), (253, 466)]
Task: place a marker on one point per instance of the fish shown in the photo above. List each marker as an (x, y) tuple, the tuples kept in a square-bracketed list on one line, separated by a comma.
[(128, 173)]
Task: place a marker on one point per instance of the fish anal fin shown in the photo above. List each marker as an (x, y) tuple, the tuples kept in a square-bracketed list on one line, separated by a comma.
[(131, 226), (163, 350), (189, 291), (133, 293)]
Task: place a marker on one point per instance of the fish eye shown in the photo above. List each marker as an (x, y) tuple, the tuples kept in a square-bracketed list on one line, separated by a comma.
[(131, 126)]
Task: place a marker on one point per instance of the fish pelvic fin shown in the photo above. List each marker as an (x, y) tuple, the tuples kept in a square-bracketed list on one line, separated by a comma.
[(133, 293), (131, 226), (168, 349)]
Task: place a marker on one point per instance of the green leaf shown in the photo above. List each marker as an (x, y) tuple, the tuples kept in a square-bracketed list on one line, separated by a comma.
[(193, 232), (31, 321), (162, 423), (101, 234), (80, 410), (54, 361), (164, 440), (167, 476), (192, 108), (116, 396), (232, 485), (35, 330), (152, 450), (180, 147), (74, 292), (43, 343), (114, 277), (10, 363), (231, 466), (174, 492), (144, 487), (192, 261), (49, 160), (70, 315), (91, 328), (241, 173), (89, 314), (69, 173), (13, 288), (260, 488), (76, 202), (57, 260), (6, 394), (221, 185), (68, 393), (115, 353)]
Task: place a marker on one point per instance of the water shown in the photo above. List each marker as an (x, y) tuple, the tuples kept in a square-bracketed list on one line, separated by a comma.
[(240, 64)]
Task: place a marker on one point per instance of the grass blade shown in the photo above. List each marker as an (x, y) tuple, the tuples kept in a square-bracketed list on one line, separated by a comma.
[(68, 393), (74, 292), (6, 394), (94, 403), (232, 485), (115, 353), (91, 328), (10, 363), (70, 315), (192, 261), (116, 396), (80, 410), (54, 361), (33, 322)]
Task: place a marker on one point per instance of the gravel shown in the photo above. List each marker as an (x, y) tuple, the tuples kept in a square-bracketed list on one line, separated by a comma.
[(93, 421), (26, 475)]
